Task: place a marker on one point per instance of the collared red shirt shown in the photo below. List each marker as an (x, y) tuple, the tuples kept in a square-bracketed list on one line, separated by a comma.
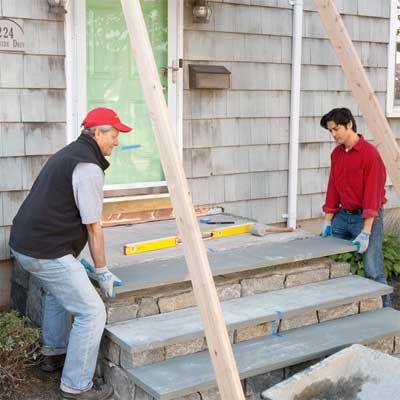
[(357, 180)]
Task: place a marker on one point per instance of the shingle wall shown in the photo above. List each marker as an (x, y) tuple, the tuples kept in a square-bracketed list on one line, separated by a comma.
[(236, 140), (32, 105)]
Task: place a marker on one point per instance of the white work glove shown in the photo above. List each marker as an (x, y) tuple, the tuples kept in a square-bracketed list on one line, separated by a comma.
[(106, 279), (362, 242)]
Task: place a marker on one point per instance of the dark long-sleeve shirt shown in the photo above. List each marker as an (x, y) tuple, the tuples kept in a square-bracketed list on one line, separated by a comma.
[(357, 180)]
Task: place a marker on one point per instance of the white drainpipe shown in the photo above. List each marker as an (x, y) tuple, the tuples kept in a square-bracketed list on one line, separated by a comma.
[(294, 112)]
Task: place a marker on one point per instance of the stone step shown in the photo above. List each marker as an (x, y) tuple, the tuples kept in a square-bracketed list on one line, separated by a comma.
[(249, 257), (183, 325), (188, 374)]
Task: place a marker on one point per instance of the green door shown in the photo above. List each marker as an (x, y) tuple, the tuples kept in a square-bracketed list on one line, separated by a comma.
[(113, 81)]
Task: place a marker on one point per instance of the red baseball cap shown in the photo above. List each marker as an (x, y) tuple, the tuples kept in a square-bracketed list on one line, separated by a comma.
[(104, 116)]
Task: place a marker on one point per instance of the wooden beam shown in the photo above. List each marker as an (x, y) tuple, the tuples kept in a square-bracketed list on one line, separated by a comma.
[(362, 90), (196, 258)]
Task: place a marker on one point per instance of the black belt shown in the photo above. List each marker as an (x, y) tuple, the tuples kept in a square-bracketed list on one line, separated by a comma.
[(358, 211)]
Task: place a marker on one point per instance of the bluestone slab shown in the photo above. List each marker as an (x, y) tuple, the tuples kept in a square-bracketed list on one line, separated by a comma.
[(163, 329), (164, 272), (188, 374)]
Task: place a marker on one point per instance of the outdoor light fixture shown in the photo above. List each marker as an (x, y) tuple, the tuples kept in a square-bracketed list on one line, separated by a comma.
[(57, 6), (201, 11)]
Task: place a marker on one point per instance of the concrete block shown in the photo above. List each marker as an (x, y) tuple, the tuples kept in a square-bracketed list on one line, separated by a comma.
[(307, 277), (298, 321), (192, 396), (11, 70), (252, 332), (11, 173), (10, 110), (147, 306), (229, 291), (11, 204), (385, 345), (12, 142), (133, 360), (252, 286), (124, 388), (176, 302), (44, 72), (338, 269), (31, 166), (328, 314), (110, 350), (44, 37), (370, 304), (257, 384), (122, 312), (182, 349)]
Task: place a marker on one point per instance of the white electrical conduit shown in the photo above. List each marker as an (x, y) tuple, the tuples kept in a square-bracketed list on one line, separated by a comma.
[(294, 112)]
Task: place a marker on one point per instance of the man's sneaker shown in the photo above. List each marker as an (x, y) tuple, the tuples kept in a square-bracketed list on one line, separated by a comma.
[(97, 392), (52, 363)]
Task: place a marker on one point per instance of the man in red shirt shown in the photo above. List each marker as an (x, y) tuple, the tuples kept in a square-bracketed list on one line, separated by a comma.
[(356, 192)]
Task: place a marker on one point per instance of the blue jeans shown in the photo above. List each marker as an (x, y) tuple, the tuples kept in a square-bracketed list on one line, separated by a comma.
[(69, 292), (348, 226)]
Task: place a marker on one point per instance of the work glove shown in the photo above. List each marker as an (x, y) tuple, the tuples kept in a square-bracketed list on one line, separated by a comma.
[(326, 229), (361, 241), (106, 279)]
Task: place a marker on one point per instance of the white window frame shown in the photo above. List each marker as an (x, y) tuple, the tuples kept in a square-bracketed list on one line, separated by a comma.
[(391, 109), (75, 66)]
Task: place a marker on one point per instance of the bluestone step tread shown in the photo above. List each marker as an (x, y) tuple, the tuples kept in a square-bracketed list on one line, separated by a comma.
[(170, 271), (163, 329), (184, 375)]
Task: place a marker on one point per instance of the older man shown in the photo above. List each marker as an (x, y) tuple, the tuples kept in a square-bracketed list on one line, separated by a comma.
[(356, 192), (60, 215)]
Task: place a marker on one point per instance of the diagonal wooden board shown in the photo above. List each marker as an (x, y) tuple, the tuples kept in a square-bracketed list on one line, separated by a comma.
[(224, 364), (361, 88)]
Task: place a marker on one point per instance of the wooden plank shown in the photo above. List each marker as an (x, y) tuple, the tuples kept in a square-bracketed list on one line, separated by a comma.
[(183, 325), (203, 285), (362, 90), (189, 374)]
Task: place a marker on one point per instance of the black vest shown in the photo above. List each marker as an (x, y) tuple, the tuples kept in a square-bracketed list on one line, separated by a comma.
[(48, 224)]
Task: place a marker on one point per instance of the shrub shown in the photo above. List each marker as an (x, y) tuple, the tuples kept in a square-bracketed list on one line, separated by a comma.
[(391, 258), (19, 349)]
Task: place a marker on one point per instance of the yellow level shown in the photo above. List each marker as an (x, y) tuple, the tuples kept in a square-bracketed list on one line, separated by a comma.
[(172, 241)]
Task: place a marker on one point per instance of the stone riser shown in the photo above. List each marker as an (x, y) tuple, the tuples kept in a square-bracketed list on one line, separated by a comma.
[(118, 356), (170, 298), (252, 387)]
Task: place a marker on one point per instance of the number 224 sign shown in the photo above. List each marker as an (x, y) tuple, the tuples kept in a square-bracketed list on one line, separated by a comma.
[(11, 35)]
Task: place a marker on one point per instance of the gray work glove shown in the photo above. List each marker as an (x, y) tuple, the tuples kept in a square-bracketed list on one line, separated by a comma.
[(362, 242), (106, 279)]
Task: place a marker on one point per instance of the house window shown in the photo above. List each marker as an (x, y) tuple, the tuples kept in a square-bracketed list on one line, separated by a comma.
[(393, 88)]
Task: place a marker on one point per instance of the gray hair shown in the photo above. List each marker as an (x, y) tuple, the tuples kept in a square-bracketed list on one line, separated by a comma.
[(90, 131)]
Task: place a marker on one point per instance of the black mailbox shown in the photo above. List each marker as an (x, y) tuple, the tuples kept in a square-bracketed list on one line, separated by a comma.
[(209, 77)]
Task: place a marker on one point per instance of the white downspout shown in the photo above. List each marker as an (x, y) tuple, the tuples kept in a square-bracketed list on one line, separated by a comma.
[(295, 111)]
